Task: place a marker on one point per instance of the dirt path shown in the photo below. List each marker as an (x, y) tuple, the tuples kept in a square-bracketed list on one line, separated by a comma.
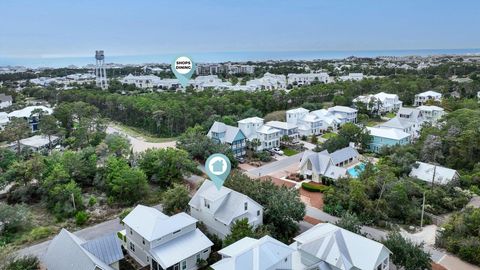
[(138, 143)]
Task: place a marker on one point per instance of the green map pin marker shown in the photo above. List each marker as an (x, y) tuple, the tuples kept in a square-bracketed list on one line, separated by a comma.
[(218, 168), (183, 67)]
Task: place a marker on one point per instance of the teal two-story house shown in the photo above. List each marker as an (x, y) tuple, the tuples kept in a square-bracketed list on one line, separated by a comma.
[(382, 137), (231, 136)]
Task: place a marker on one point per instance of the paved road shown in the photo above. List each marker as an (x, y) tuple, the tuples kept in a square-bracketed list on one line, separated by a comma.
[(275, 166), (88, 233)]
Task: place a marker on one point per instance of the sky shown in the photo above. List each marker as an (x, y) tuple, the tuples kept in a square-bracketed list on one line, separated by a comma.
[(59, 28)]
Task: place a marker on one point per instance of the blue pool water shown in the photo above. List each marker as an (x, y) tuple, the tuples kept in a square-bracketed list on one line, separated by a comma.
[(355, 171)]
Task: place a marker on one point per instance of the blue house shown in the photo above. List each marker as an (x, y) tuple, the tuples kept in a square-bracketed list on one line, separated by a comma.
[(231, 136), (387, 137)]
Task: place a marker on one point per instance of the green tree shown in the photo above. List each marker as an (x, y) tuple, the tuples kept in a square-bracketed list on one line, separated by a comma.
[(48, 125), (239, 230), (350, 221), (175, 199), (14, 218), (407, 254), (166, 166), (16, 130), (23, 263), (125, 185), (118, 144)]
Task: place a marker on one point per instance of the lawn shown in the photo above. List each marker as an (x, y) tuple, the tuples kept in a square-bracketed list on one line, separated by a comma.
[(289, 152), (329, 135), (390, 115)]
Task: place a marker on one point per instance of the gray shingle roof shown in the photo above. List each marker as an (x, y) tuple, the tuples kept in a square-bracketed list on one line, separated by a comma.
[(230, 131)]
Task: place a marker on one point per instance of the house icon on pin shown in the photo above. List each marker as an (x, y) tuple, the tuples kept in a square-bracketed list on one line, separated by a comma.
[(218, 166)]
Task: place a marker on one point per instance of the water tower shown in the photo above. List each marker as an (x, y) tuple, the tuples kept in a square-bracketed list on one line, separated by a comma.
[(100, 71)]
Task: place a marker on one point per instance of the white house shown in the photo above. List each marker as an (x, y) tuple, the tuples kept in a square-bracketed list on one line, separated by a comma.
[(380, 103), (428, 172), (344, 114), (431, 113), (352, 77), (219, 209), (163, 242), (266, 253), (286, 129), (67, 251), (253, 128), (422, 98), (269, 82), (28, 115), (316, 165), (37, 142), (326, 246), (307, 78), (5, 101)]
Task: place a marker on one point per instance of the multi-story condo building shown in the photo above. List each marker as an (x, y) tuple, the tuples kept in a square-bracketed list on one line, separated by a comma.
[(229, 135), (160, 242), (422, 98), (307, 78), (220, 209), (268, 82)]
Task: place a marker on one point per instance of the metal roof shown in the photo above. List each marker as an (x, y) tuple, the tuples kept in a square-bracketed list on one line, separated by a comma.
[(106, 248)]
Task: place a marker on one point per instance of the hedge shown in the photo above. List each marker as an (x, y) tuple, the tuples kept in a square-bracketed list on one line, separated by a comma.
[(314, 187)]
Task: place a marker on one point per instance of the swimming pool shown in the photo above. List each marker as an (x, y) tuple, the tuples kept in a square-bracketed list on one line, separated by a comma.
[(355, 171)]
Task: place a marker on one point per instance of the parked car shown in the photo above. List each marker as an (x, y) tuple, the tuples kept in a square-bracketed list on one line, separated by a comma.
[(277, 151), (241, 160)]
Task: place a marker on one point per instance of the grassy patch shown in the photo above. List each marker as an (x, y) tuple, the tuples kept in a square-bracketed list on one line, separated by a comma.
[(139, 133), (329, 135), (390, 115), (314, 187), (289, 152)]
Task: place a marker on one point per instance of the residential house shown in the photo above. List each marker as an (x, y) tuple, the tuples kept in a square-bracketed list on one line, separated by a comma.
[(32, 118), (229, 135), (344, 114), (286, 129), (5, 101), (268, 82), (422, 98), (352, 77), (431, 113), (254, 129), (327, 246), (380, 103), (219, 209), (315, 122), (317, 165), (160, 242), (266, 253), (385, 137), (3, 120), (67, 251), (299, 79), (37, 143), (428, 172)]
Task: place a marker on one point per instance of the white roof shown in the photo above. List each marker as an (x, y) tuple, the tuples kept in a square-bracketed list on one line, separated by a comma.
[(341, 248), (342, 109), (298, 110), (429, 94), (281, 125), (232, 205), (180, 248), (382, 96), (37, 141), (249, 253), (73, 255), (389, 133), (27, 111), (255, 120), (152, 224), (430, 108), (425, 172), (267, 130)]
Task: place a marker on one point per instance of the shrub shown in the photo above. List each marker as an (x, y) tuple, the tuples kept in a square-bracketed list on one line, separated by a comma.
[(92, 201), (314, 187), (264, 156), (24, 263), (81, 218), (40, 233)]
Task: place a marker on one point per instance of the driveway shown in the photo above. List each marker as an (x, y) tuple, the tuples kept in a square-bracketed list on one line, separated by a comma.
[(275, 166), (138, 143)]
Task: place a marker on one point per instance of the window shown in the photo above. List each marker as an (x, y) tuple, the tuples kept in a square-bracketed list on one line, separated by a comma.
[(258, 212), (184, 265), (177, 231), (246, 206), (198, 257), (132, 247), (205, 251)]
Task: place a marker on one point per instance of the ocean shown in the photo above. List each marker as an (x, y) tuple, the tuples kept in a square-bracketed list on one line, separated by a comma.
[(215, 57)]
